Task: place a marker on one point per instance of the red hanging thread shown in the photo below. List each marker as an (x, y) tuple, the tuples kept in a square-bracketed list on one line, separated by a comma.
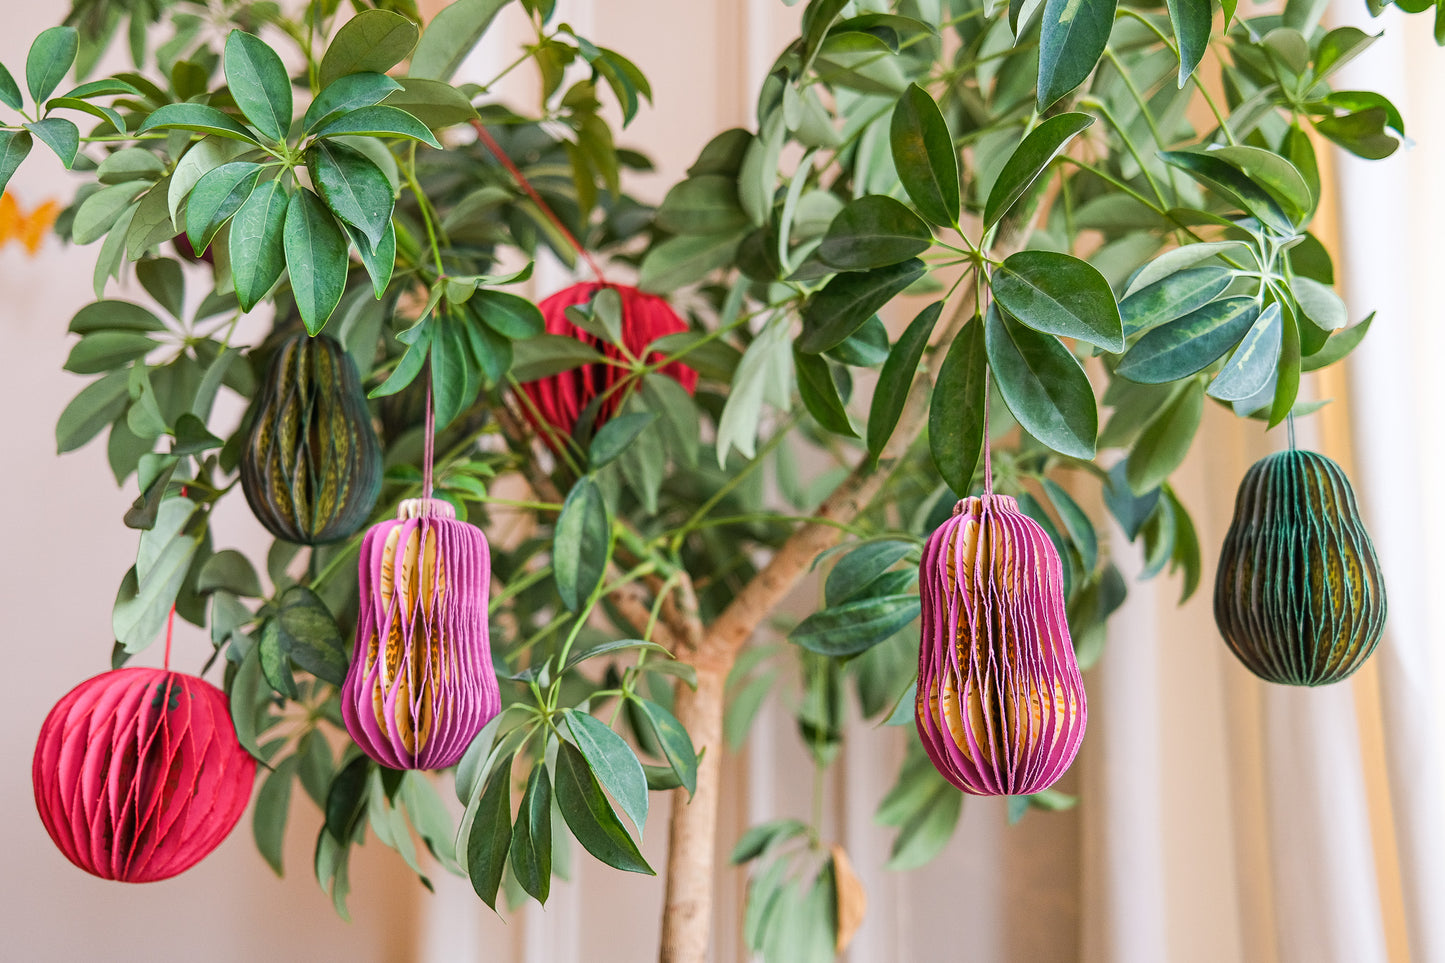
[(531, 192)]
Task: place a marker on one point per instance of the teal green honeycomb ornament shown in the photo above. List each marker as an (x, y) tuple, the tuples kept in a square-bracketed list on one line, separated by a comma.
[(1299, 596)]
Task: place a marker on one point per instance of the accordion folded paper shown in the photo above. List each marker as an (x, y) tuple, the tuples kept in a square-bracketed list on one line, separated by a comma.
[(1000, 705)]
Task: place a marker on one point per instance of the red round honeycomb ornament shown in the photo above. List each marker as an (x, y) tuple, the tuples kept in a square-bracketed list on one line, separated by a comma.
[(138, 774)]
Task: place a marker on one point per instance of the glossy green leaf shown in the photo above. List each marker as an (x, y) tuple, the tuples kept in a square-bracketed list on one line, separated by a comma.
[(1029, 160), (1043, 384), (106, 350), (453, 383), (613, 438), (508, 314), (379, 260), (680, 261), (97, 405), (491, 834), (590, 816), (197, 117), (1235, 185), (705, 204), (956, 411), (531, 849), (380, 121), (855, 626), (14, 148), (372, 42), (1164, 443), (1249, 369), (673, 739), (273, 802), (257, 245), (1076, 523), (1172, 296), (1180, 348), (924, 156), (1191, 20), (259, 83), (818, 387), (217, 196), (1073, 34), (310, 635), (850, 299), (49, 60), (315, 249), (582, 543), (111, 315), (9, 90), (896, 378), (862, 568), (873, 232), (1287, 371), (450, 36), (1340, 343), (230, 571), (347, 93), (59, 135), (613, 763), (356, 190), (1059, 294)]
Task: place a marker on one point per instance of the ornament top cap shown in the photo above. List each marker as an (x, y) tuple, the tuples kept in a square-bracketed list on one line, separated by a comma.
[(978, 504), (421, 507)]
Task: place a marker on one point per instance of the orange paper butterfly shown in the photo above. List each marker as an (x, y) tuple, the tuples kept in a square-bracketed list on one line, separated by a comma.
[(29, 228)]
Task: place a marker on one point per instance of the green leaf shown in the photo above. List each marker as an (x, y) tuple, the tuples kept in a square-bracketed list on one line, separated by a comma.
[(112, 315), (1172, 297), (315, 258), (230, 571), (873, 232), (956, 410), (1276, 175), (924, 156), (850, 299), (930, 827), (347, 93), (217, 196), (1249, 369), (433, 102), (896, 378), (380, 121), (97, 405), (590, 816), (197, 117), (164, 557), (680, 261), (706, 204), (355, 189), (612, 762), (1191, 20), (1180, 348), (1319, 303), (1235, 185), (614, 437), (1287, 372), (257, 243), (1029, 160), (59, 135), (273, 803), (1073, 35), (1044, 385), (507, 314), (9, 90), (259, 83), (380, 261), (163, 280), (310, 635), (1164, 443), (373, 42), (818, 387), (582, 544), (531, 853), (1178, 259), (204, 156), (107, 350), (1058, 294), (1340, 343), (861, 568), (761, 838), (450, 36), (491, 834), (1076, 523), (14, 147), (453, 378), (854, 627), (676, 745), (49, 60)]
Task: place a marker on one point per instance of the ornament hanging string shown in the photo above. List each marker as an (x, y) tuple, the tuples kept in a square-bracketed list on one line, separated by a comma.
[(530, 191), (171, 619), (1289, 424), (987, 448), (429, 447)]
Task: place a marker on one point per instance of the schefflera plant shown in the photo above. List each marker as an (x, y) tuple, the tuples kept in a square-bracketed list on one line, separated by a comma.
[(1038, 174)]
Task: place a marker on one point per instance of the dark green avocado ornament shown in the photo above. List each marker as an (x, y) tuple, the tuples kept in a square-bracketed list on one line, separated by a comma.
[(1299, 597), (311, 468)]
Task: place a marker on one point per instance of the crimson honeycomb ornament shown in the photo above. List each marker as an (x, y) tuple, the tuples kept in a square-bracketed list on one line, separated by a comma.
[(138, 774)]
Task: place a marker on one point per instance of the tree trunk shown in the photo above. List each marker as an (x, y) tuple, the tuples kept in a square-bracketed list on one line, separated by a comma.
[(692, 841)]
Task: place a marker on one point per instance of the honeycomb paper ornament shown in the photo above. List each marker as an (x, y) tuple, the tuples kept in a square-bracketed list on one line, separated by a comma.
[(138, 774), (311, 468), (421, 683), (559, 400), (1000, 705), (1299, 597)]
